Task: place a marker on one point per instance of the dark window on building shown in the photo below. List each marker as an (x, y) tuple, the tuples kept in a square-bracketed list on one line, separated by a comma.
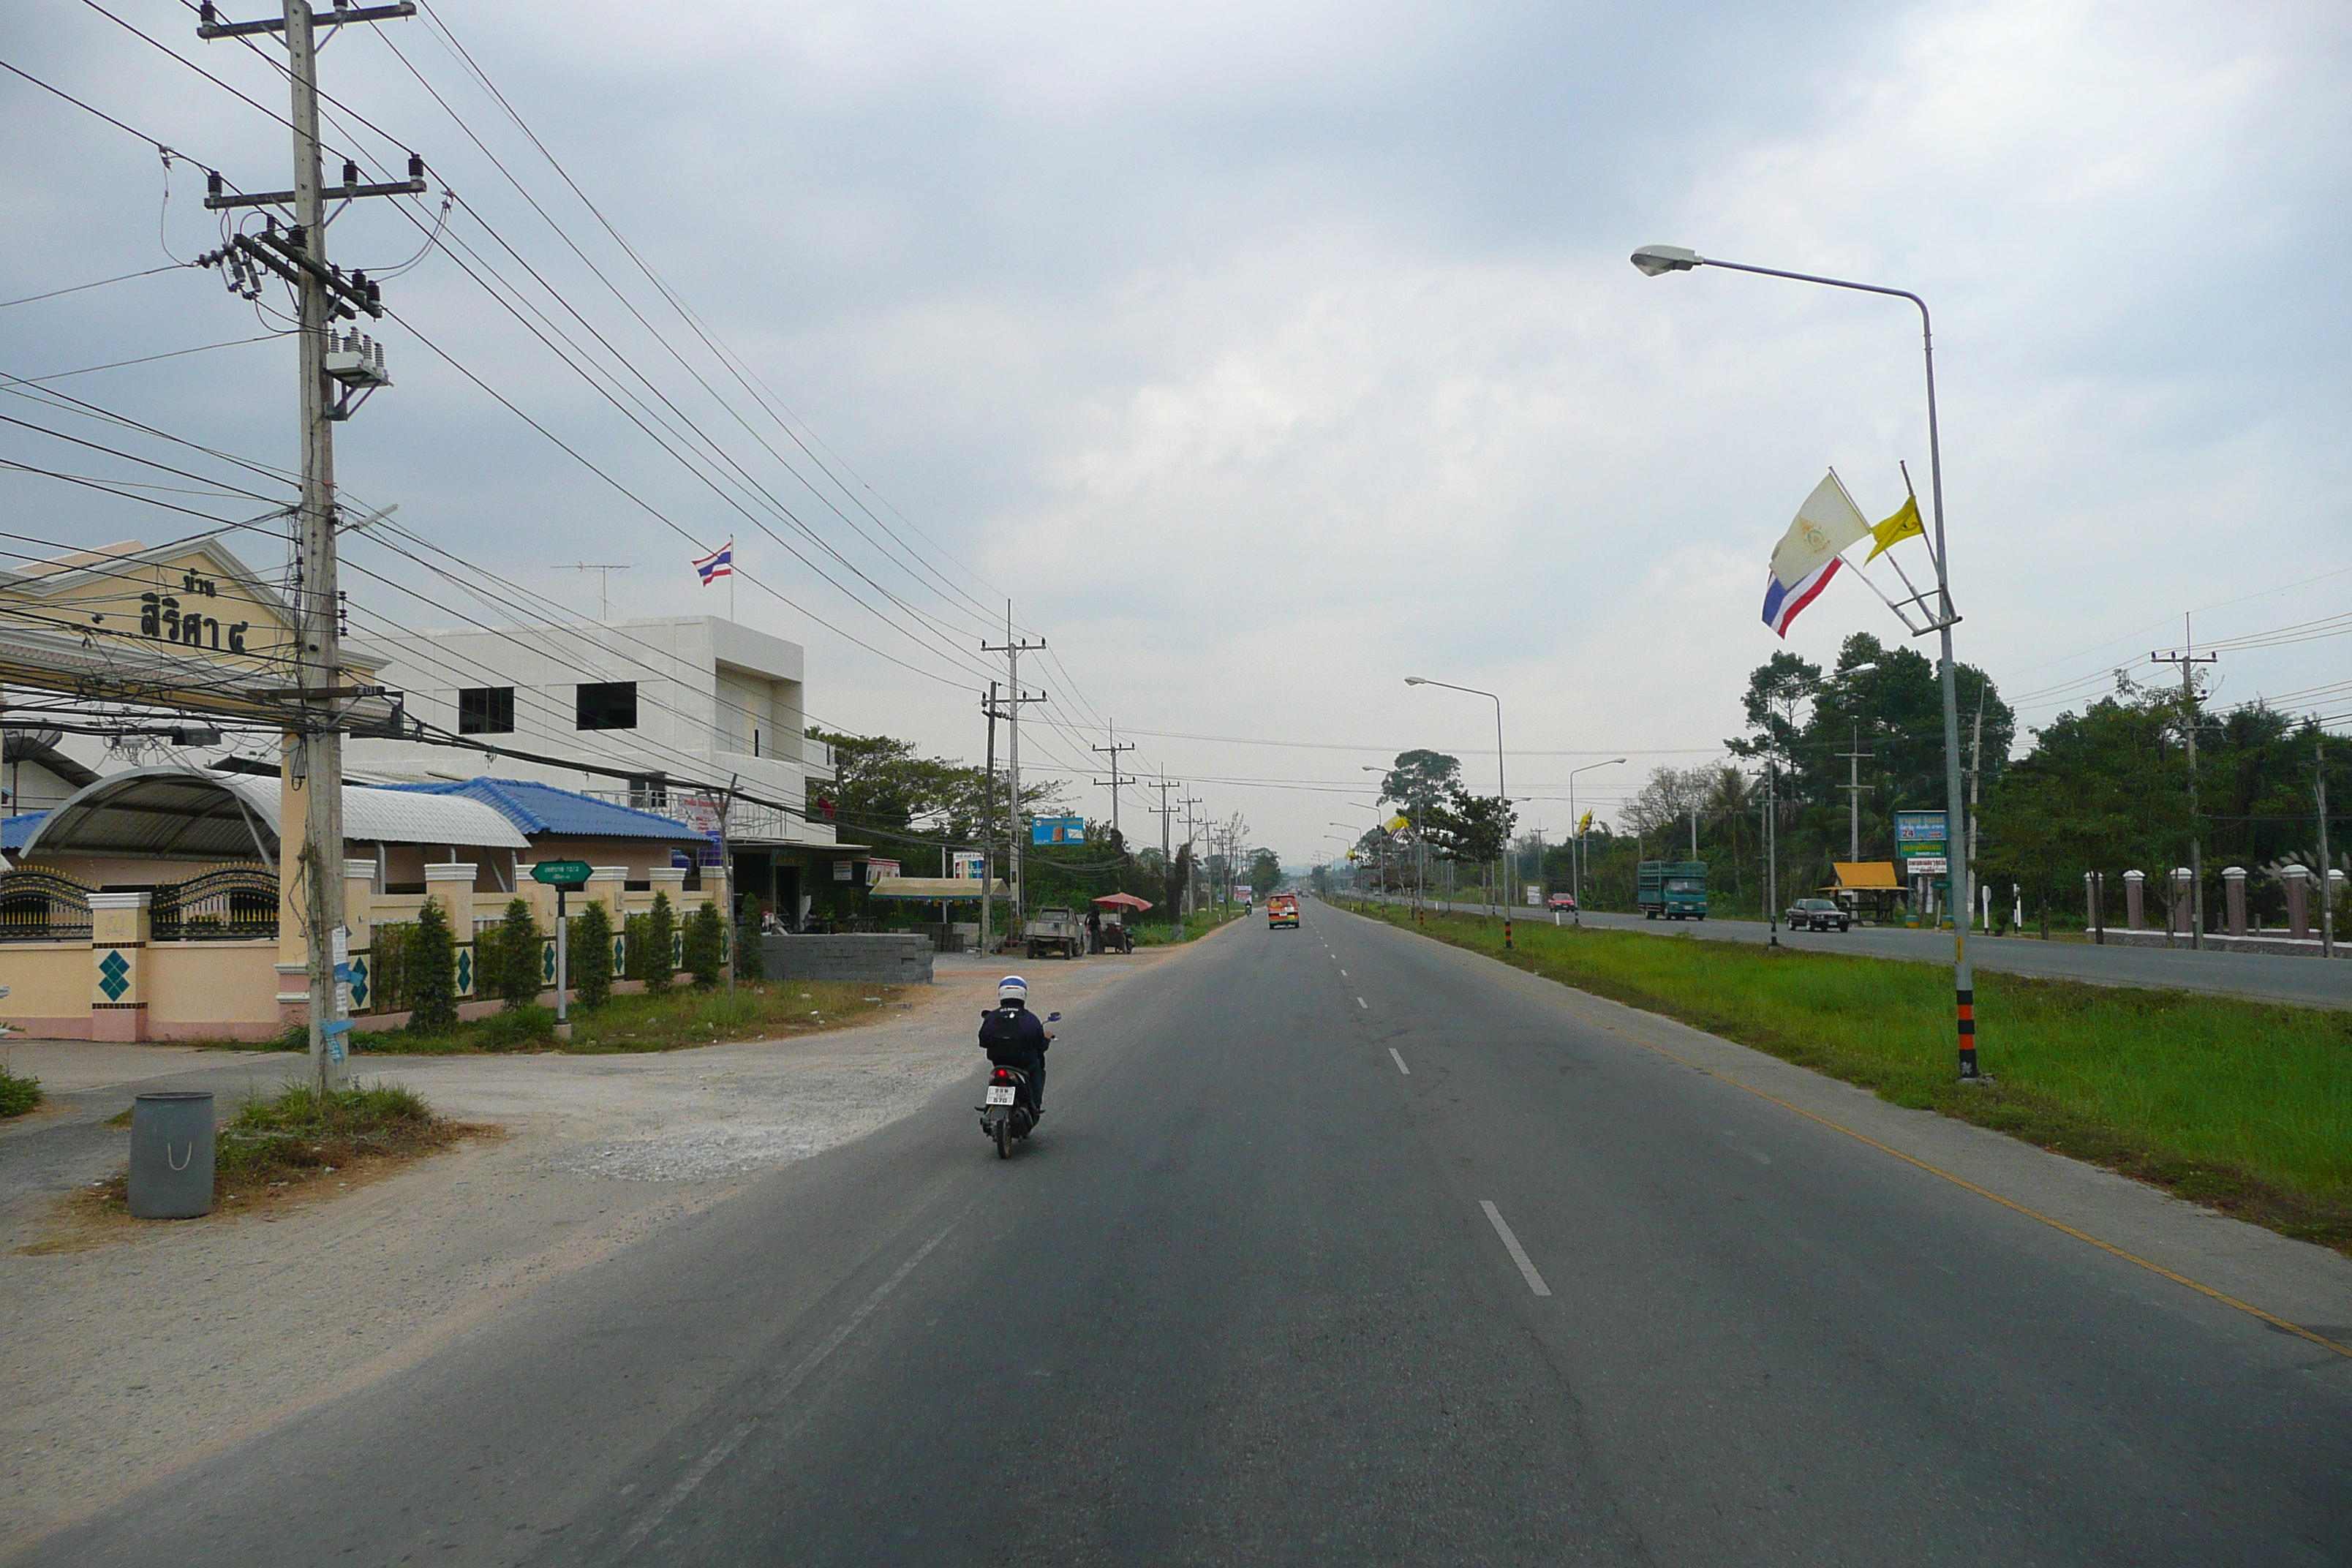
[(608, 705), (485, 710)]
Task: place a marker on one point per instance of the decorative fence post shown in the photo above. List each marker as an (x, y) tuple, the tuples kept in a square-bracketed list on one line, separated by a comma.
[(359, 920), (2233, 887), (2136, 901), (118, 933), (453, 885), (2298, 901), (2182, 915)]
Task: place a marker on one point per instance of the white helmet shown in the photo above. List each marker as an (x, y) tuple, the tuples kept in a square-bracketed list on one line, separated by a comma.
[(1013, 988)]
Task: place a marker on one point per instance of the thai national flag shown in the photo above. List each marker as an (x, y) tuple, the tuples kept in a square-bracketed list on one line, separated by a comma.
[(717, 565), (1783, 600)]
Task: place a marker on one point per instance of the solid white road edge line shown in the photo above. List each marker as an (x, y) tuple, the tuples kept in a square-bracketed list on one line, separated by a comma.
[(1511, 1243), (809, 1364), (1400, 1062)]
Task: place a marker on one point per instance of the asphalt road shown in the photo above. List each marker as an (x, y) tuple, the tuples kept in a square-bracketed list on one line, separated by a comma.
[(1332, 1248), (2277, 978)]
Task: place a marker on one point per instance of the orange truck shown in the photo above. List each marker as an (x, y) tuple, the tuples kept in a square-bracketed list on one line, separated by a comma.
[(1282, 910)]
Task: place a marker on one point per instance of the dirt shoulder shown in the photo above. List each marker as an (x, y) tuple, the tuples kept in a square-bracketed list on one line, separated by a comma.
[(122, 1359)]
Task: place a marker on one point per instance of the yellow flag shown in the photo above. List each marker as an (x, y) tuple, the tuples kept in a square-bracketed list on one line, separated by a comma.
[(1397, 824), (1585, 825), (1903, 525)]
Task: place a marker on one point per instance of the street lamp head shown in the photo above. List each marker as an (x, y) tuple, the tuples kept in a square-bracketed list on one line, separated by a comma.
[(1416, 680), (1655, 260)]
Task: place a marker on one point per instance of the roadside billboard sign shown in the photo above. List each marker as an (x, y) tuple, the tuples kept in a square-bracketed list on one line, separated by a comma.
[(878, 869), (1919, 832), (968, 863), (1057, 830)]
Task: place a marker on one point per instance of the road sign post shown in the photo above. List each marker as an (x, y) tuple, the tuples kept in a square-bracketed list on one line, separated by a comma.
[(564, 877)]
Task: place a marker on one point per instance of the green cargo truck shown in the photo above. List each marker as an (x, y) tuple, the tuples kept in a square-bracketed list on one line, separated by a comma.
[(1674, 888)]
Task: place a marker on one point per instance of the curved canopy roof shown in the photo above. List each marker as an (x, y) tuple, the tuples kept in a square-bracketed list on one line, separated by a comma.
[(189, 813), (536, 807)]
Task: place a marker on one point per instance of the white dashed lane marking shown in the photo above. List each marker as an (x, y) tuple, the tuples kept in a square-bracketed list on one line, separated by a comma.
[(1364, 1005), (1400, 1062), (1511, 1245)]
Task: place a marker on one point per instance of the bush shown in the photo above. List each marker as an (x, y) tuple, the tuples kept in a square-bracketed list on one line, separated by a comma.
[(706, 945), (19, 1093), (514, 968), (589, 958), (751, 963), (429, 976), (661, 941)]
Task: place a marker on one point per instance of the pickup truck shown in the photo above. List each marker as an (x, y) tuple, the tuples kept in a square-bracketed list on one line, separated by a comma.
[(1053, 931), (1674, 888)]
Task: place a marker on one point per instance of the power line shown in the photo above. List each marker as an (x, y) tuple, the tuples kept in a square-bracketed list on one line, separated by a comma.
[(79, 288)]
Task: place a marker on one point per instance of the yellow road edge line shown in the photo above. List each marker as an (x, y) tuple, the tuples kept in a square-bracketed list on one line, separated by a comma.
[(2272, 1319)]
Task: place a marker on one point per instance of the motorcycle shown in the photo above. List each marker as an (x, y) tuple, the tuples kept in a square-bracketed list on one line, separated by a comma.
[(1004, 1116)]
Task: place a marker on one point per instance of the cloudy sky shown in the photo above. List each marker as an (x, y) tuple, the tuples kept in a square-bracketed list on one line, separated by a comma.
[(1265, 355)]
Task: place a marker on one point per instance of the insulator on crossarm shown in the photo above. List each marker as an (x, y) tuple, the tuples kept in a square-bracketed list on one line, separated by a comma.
[(213, 184), (415, 165), (351, 174)]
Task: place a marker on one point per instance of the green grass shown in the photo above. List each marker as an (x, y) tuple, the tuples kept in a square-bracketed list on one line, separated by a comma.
[(759, 1010), (19, 1093), (2242, 1105)]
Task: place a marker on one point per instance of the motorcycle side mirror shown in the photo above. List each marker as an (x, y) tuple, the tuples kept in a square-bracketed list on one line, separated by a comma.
[(1053, 1017)]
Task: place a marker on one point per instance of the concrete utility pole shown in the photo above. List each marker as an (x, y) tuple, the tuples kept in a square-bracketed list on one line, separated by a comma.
[(1013, 648), (326, 359), (1853, 788), (2326, 876), (1164, 811), (987, 824), (2188, 658), (1116, 778), (1976, 767), (1194, 875)]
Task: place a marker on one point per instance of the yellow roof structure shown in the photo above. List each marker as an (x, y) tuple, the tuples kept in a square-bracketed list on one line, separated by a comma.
[(1866, 876)]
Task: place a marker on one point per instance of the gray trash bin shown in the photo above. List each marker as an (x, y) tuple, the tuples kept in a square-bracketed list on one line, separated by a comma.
[(171, 1154)]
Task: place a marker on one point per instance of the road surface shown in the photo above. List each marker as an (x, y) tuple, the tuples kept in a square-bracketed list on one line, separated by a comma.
[(1335, 1246), (2275, 977)]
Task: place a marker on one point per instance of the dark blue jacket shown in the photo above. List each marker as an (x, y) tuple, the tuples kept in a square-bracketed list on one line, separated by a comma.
[(1012, 1036)]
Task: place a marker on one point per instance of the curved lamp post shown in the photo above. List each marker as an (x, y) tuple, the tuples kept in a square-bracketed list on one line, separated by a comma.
[(1575, 855), (1502, 793), (1655, 260)]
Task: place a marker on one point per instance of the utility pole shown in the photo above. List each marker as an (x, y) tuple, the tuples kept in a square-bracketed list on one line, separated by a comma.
[(327, 359), (1012, 647), (1116, 779), (1853, 788), (2188, 658), (1194, 875), (2326, 876), (1976, 766), (987, 823), (604, 570), (1772, 851), (1164, 811)]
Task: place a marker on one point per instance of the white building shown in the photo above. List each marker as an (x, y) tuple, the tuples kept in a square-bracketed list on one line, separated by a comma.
[(660, 714)]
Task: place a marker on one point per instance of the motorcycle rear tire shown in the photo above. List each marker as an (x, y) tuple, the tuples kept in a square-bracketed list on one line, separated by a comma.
[(1004, 1137)]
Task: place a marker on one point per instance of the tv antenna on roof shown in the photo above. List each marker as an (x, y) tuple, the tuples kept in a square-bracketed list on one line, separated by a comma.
[(604, 570)]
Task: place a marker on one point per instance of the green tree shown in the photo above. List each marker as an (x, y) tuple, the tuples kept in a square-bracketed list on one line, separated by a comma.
[(1420, 780), (431, 981), (706, 945), (661, 941), (750, 959), (1265, 871), (519, 957), (589, 955)]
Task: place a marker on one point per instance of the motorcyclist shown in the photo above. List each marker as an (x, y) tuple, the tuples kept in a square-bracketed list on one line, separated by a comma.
[(1014, 1037)]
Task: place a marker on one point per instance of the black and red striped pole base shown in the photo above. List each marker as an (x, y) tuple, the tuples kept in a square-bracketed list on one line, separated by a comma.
[(1506, 933), (1968, 1004)]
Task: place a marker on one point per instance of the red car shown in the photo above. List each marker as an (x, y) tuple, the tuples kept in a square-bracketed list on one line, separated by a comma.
[(1563, 902)]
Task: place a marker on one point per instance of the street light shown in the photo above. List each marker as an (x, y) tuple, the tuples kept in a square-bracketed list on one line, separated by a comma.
[(1502, 793), (1575, 873), (1655, 260)]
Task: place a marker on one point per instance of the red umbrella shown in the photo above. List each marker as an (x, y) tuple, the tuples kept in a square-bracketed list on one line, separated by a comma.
[(1124, 901)]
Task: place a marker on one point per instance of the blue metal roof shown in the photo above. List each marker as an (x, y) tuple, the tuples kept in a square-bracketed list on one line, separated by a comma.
[(536, 808), (14, 830)]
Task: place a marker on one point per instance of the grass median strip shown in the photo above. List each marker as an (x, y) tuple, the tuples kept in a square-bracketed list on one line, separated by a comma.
[(770, 1010), (278, 1149), (2243, 1106)]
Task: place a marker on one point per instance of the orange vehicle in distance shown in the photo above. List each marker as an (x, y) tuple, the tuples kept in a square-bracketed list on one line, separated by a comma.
[(1282, 910)]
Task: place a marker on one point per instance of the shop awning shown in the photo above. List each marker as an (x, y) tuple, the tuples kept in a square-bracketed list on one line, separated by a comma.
[(936, 890)]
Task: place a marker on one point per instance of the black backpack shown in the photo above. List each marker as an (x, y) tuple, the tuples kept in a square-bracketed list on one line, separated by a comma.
[(1000, 1032)]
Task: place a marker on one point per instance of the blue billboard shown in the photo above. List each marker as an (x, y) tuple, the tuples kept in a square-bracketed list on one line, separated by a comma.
[(1057, 830)]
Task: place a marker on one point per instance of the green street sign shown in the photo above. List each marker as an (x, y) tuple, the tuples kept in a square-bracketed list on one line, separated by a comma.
[(562, 873)]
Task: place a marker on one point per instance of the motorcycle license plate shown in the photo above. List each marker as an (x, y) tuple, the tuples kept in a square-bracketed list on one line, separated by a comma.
[(999, 1094)]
